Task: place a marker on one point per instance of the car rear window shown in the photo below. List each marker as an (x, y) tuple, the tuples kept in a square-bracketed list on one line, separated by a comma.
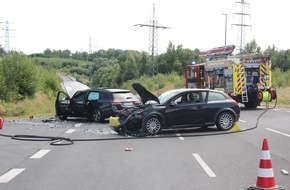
[(216, 96), (123, 96)]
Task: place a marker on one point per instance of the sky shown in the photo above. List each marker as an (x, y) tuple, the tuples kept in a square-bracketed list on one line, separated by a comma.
[(35, 25)]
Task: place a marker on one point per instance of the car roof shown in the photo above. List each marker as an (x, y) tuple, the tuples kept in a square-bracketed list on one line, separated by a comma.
[(108, 89), (190, 90)]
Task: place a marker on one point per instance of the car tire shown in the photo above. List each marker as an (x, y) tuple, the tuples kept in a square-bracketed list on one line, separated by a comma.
[(97, 116), (62, 117), (225, 121), (152, 125)]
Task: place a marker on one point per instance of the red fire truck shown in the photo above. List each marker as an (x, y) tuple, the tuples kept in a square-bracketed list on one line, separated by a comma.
[(246, 77)]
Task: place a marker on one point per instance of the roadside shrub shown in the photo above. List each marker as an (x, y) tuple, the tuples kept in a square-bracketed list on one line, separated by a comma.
[(280, 78), (18, 76)]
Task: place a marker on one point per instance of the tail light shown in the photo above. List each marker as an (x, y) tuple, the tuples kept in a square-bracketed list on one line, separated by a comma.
[(115, 103), (136, 103)]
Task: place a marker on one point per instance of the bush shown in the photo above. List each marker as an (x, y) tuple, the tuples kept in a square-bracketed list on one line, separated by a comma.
[(18, 76), (280, 78)]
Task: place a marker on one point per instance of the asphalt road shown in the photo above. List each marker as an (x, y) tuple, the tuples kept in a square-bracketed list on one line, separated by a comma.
[(184, 159)]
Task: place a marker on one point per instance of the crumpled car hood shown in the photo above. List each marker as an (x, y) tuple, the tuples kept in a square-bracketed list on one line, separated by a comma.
[(144, 94)]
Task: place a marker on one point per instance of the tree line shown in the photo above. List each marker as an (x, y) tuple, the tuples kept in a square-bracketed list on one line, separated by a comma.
[(23, 75)]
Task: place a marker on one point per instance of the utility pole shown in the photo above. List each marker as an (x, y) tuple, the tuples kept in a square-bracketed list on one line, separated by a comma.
[(226, 26), (153, 39), (242, 25)]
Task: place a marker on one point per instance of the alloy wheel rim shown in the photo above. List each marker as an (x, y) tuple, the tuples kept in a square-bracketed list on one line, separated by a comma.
[(97, 115), (153, 125), (226, 121)]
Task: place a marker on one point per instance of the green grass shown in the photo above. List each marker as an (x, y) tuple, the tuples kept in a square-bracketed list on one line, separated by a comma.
[(283, 97), (41, 105)]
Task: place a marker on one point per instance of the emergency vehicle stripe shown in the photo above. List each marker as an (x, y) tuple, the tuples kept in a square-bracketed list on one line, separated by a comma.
[(263, 69), (263, 73), (240, 77)]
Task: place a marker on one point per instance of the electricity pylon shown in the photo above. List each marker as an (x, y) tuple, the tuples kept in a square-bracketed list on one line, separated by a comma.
[(7, 35), (153, 39), (242, 25)]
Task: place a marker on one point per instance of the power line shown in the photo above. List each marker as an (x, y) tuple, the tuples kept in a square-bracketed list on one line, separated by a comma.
[(153, 39)]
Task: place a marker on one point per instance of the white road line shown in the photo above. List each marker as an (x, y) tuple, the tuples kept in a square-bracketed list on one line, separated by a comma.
[(278, 132), (204, 165), (39, 154), (288, 111), (70, 131), (78, 124), (242, 121), (179, 136), (5, 178)]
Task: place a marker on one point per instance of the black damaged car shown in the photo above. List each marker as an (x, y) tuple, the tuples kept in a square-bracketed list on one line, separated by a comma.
[(94, 104), (178, 108)]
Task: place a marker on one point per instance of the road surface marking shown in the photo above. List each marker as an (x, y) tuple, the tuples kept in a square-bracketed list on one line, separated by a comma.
[(204, 165), (70, 131), (278, 132), (288, 111), (242, 121), (78, 124), (5, 178), (40, 154), (179, 136)]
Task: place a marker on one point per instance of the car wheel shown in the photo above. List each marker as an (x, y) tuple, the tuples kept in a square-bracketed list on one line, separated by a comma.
[(62, 117), (97, 116), (152, 125), (225, 121)]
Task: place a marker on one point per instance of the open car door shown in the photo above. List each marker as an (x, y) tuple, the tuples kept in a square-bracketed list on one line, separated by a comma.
[(62, 105)]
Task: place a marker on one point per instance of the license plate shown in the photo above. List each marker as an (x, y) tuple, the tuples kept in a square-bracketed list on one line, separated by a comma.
[(127, 104)]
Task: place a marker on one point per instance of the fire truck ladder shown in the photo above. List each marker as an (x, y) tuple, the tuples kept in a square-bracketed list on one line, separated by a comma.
[(244, 86)]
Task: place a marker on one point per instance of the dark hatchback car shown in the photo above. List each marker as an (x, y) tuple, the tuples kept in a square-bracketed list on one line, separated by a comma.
[(179, 108), (96, 105)]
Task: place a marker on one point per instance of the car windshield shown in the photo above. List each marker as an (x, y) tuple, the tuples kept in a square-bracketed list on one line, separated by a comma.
[(167, 95)]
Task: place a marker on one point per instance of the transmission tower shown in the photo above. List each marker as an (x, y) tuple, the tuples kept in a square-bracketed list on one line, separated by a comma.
[(90, 45), (242, 25), (153, 39), (7, 35)]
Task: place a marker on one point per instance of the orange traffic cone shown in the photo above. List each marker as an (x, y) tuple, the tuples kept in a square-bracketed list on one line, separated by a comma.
[(265, 179), (1, 122)]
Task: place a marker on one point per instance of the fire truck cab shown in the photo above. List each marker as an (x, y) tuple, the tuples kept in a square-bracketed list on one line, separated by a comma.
[(246, 77)]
